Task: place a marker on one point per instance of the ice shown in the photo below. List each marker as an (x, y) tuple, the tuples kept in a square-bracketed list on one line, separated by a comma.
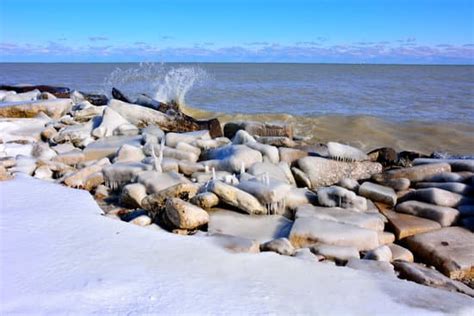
[(60, 256)]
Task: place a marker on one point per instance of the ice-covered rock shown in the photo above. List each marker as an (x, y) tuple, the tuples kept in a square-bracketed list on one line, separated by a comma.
[(335, 196), (378, 193), (185, 215), (382, 253), (446, 216), (281, 246), (335, 252), (29, 109), (237, 198)]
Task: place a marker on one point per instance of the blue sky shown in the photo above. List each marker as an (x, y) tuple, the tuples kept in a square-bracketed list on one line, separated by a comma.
[(357, 31)]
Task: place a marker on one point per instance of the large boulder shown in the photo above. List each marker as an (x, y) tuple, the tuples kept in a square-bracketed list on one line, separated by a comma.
[(185, 215), (450, 250), (324, 172), (234, 158)]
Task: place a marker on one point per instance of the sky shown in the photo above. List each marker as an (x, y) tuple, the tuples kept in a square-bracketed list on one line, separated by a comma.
[(325, 31)]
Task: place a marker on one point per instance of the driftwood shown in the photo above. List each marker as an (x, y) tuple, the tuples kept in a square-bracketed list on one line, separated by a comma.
[(60, 92)]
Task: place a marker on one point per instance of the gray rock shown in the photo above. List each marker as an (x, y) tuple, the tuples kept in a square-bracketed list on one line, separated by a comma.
[(456, 164), (438, 196), (281, 246), (349, 184), (129, 153), (155, 182), (280, 172), (290, 155), (271, 194), (335, 196), (334, 252), (324, 172), (172, 139), (340, 215), (420, 274), (382, 253), (260, 228), (378, 193), (234, 158), (122, 173), (309, 230), (454, 187), (372, 266), (398, 184), (446, 216), (414, 174)]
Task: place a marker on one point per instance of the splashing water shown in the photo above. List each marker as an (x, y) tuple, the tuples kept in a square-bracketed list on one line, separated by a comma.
[(160, 81)]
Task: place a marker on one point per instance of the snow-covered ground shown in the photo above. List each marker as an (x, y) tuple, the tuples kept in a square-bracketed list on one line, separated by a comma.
[(59, 255)]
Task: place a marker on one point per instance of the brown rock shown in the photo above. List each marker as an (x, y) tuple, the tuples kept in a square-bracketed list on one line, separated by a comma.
[(450, 250), (404, 225), (29, 109), (258, 129), (417, 173)]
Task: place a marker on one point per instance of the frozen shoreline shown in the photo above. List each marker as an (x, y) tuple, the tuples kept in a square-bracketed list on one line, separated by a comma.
[(59, 255)]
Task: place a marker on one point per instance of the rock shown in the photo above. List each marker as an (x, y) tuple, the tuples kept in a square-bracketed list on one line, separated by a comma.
[(234, 158), (122, 173), (4, 174), (64, 148), (445, 177), (306, 254), (172, 139), (446, 216), (155, 182), (205, 200), (142, 220), (398, 184), (386, 156), (108, 146), (260, 228), (258, 128), (340, 254), (242, 137), (48, 133), (420, 274), (185, 215), (343, 216), (132, 195), (349, 184), (93, 181), (281, 246), (271, 194), (24, 164), (79, 135), (60, 92), (456, 164), (290, 155), (70, 158), (335, 196), (324, 172), (29, 109), (156, 202), (455, 187), (371, 266), (269, 153), (152, 134), (343, 152), (78, 178), (101, 192), (378, 193), (309, 230), (42, 151), (44, 173), (237, 198), (382, 253), (438, 197), (280, 172), (187, 147), (278, 141), (141, 116), (400, 254), (22, 97), (386, 238), (404, 225), (206, 144), (129, 153), (299, 196), (450, 250), (301, 178), (111, 120), (236, 244), (414, 174)]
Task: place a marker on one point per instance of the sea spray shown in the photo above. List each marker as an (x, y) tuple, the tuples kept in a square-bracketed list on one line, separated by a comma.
[(161, 81)]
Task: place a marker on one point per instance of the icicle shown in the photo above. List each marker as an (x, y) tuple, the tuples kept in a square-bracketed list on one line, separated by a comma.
[(214, 177), (242, 168), (206, 168)]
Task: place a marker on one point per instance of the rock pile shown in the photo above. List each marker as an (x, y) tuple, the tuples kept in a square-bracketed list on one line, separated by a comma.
[(258, 188)]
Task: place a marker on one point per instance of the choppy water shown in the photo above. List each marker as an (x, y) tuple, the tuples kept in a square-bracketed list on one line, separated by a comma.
[(410, 107)]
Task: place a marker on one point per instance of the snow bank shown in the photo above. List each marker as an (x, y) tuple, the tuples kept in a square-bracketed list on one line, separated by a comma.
[(59, 255)]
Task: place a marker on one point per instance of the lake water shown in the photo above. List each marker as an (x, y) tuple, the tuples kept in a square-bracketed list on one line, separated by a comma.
[(410, 107)]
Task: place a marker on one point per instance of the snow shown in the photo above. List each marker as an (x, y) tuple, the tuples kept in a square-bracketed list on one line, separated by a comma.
[(59, 255)]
